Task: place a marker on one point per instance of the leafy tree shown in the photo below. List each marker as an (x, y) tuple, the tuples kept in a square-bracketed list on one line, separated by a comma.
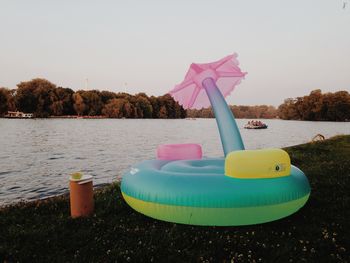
[(162, 114), (288, 110), (155, 106), (172, 108), (65, 100), (35, 96), (57, 108), (309, 107), (92, 101), (123, 95), (170, 105), (128, 109), (4, 100), (317, 107), (25, 99), (143, 106), (117, 108), (106, 96), (79, 105), (45, 96), (336, 106)]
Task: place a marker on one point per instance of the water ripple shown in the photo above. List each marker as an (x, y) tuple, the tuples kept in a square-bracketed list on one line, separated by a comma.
[(37, 156)]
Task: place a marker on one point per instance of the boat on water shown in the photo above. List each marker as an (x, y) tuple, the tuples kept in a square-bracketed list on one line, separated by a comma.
[(255, 125), (18, 115)]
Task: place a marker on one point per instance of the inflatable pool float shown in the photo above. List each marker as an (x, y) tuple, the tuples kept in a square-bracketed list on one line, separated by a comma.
[(245, 187)]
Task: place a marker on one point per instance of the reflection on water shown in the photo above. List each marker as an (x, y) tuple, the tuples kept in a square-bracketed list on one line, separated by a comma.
[(37, 156)]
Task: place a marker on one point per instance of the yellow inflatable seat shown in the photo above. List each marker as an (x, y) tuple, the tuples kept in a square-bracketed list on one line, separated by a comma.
[(254, 164)]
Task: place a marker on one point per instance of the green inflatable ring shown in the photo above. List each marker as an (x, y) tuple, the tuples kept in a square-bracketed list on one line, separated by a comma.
[(198, 192)]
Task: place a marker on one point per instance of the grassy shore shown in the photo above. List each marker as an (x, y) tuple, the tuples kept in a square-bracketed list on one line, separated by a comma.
[(319, 232)]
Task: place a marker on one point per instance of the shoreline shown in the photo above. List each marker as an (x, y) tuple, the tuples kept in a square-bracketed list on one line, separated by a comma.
[(185, 118), (319, 231), (64, 194)]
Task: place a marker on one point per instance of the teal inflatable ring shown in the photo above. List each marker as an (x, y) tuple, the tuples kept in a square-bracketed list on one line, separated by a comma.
[(198, 192)]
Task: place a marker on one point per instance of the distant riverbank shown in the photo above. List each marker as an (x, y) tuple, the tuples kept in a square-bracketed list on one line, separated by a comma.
[(78, 117), (43, 230), (187, 118), (43, 99)]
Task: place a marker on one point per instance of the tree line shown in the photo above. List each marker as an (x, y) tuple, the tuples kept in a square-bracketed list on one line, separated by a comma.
[(44, 99), (317, 107), (240, 112), (313, 107)]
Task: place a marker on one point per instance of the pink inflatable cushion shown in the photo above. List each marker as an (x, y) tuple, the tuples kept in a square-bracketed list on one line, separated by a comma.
[(186, 151)]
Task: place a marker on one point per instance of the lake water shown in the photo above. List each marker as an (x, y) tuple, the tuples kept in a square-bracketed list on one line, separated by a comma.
[(37, 156)]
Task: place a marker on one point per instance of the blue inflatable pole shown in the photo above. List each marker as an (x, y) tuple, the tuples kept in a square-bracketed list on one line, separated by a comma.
[(229, 133)]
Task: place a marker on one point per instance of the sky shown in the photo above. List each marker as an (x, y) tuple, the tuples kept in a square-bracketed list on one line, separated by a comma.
[(288, 48)]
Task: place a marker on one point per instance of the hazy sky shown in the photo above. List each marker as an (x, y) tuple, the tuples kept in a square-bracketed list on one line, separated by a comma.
[(288, 48)]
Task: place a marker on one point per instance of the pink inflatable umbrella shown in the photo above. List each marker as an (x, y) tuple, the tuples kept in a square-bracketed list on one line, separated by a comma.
[(208, 84)]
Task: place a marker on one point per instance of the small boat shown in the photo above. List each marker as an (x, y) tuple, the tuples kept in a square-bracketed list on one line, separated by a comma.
[(18, 115), (255, 125)]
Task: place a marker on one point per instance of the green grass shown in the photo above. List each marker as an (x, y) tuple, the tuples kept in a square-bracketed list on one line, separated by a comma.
[(319, 232)]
